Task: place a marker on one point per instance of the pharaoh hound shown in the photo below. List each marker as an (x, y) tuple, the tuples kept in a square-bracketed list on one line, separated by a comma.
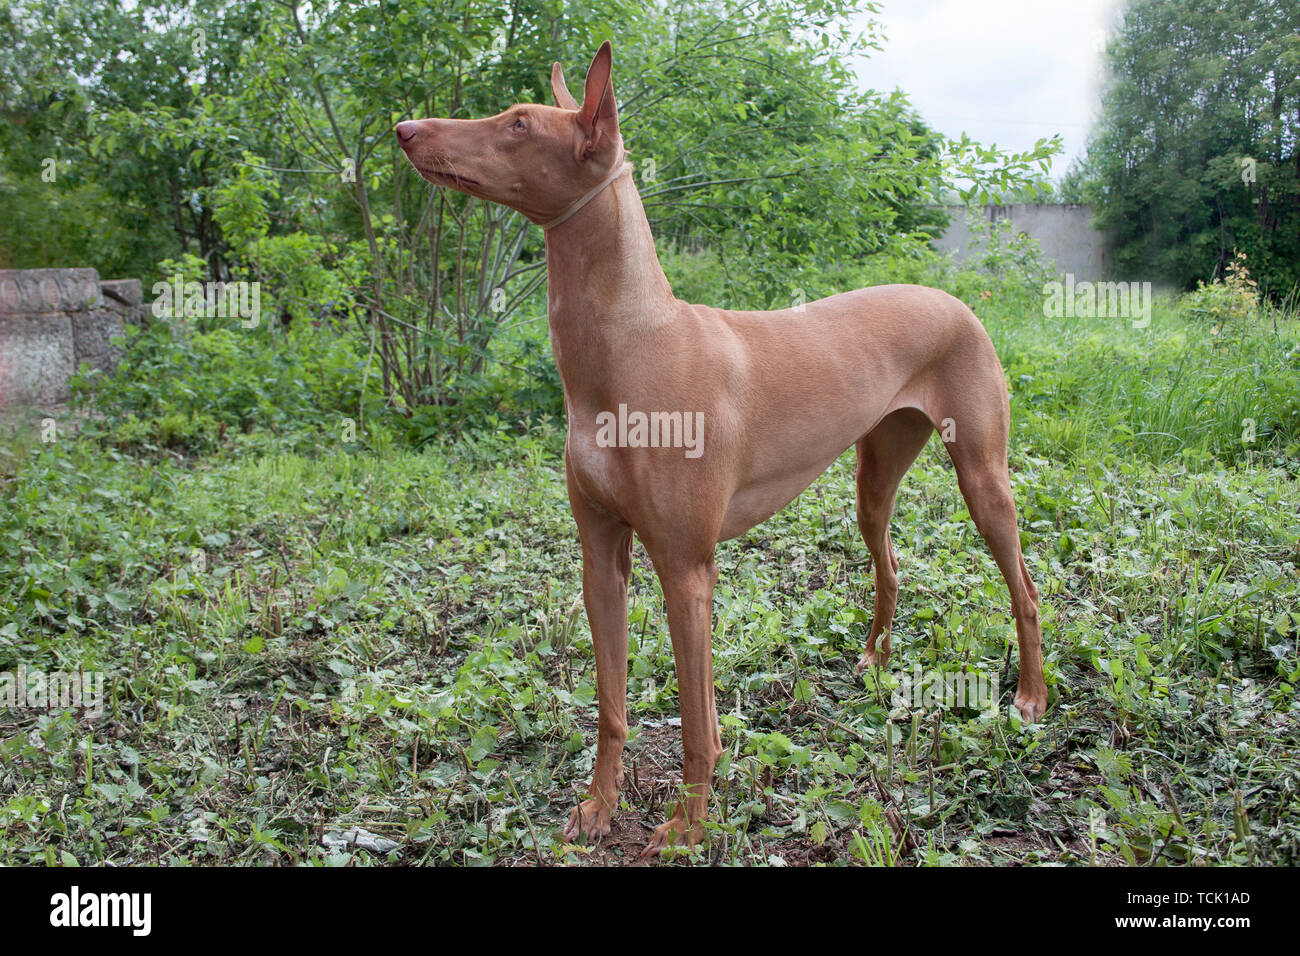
[(778, 396)]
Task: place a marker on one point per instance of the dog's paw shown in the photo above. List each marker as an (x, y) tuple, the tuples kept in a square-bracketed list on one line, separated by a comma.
[(589, 818), (871, 659), (675, 832), (1032, 704)]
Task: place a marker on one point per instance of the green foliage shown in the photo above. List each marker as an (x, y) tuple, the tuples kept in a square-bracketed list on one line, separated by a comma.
[(240, 204), (294, 629), (1230, 300), (257, 137), (184, 389), (129, 102)]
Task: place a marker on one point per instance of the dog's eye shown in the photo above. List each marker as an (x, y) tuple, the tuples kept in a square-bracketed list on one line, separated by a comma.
[(519, 126)]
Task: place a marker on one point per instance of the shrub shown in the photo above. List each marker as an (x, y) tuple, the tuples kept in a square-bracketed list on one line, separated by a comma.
[(183, 390), (1229, 300)]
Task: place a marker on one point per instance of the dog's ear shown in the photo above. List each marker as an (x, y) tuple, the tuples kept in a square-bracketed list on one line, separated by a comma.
[(563, 98), (599, 114)]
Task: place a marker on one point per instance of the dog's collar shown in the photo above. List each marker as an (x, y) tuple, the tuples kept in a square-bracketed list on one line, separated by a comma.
[(622, 167)]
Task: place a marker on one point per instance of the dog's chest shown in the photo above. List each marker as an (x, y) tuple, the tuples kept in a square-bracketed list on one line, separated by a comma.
[(595, 468)]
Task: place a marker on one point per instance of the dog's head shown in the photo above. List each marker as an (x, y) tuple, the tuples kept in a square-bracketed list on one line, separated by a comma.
[(536, 159)]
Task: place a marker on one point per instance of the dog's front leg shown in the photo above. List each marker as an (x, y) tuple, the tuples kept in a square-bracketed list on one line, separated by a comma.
[(606, 568), (688, 593)]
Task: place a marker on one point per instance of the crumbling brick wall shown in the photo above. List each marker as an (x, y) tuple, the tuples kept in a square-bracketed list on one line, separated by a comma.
[(52, 321)]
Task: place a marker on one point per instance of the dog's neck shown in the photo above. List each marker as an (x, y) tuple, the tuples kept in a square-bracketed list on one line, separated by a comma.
[(604, 281)]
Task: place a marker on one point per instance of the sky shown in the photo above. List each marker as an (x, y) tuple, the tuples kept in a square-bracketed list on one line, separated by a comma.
[(1004, 71)]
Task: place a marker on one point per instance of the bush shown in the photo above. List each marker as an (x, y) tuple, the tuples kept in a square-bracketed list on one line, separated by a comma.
[(1227, 301), (182, 390)]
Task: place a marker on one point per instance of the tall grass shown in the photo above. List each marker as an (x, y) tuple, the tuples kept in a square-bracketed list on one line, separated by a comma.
[(1174, 391)]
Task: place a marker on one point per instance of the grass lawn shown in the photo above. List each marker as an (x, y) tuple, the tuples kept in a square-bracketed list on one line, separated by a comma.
[(301, 637)]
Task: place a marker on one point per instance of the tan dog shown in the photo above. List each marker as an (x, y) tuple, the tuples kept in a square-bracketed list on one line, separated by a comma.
[(780, 396)]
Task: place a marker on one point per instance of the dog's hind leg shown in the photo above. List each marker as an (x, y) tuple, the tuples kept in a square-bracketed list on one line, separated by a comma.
[(884, 455), (978, 448)]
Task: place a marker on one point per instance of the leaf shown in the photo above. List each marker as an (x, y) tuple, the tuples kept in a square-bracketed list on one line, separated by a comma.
[(117, 599), (485, 738)]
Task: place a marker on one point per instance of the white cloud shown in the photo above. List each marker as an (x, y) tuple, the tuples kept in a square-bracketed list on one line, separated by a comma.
[(1004, 71)]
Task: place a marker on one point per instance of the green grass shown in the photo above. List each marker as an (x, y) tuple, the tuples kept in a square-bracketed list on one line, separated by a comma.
[(301, 637)]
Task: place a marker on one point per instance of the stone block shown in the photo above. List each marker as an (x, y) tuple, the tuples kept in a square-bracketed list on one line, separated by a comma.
[(92, 335), (33, 291), (37, 357)]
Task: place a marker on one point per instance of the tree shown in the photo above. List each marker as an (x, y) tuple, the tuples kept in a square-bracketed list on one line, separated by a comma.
[(112, 96), (1198, 149), (268, 151)]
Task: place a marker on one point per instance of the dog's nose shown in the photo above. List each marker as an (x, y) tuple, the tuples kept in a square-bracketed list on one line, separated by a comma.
[(406, 131)]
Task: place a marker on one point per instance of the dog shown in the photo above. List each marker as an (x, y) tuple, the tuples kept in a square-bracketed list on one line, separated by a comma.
[(780, 395)]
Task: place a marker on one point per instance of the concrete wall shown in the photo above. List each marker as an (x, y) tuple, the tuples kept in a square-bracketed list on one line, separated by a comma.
[(51, 322), (1064, 233)]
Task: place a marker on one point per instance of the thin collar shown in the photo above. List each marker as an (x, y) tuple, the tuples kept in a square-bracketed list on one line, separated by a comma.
[(623, 167)]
